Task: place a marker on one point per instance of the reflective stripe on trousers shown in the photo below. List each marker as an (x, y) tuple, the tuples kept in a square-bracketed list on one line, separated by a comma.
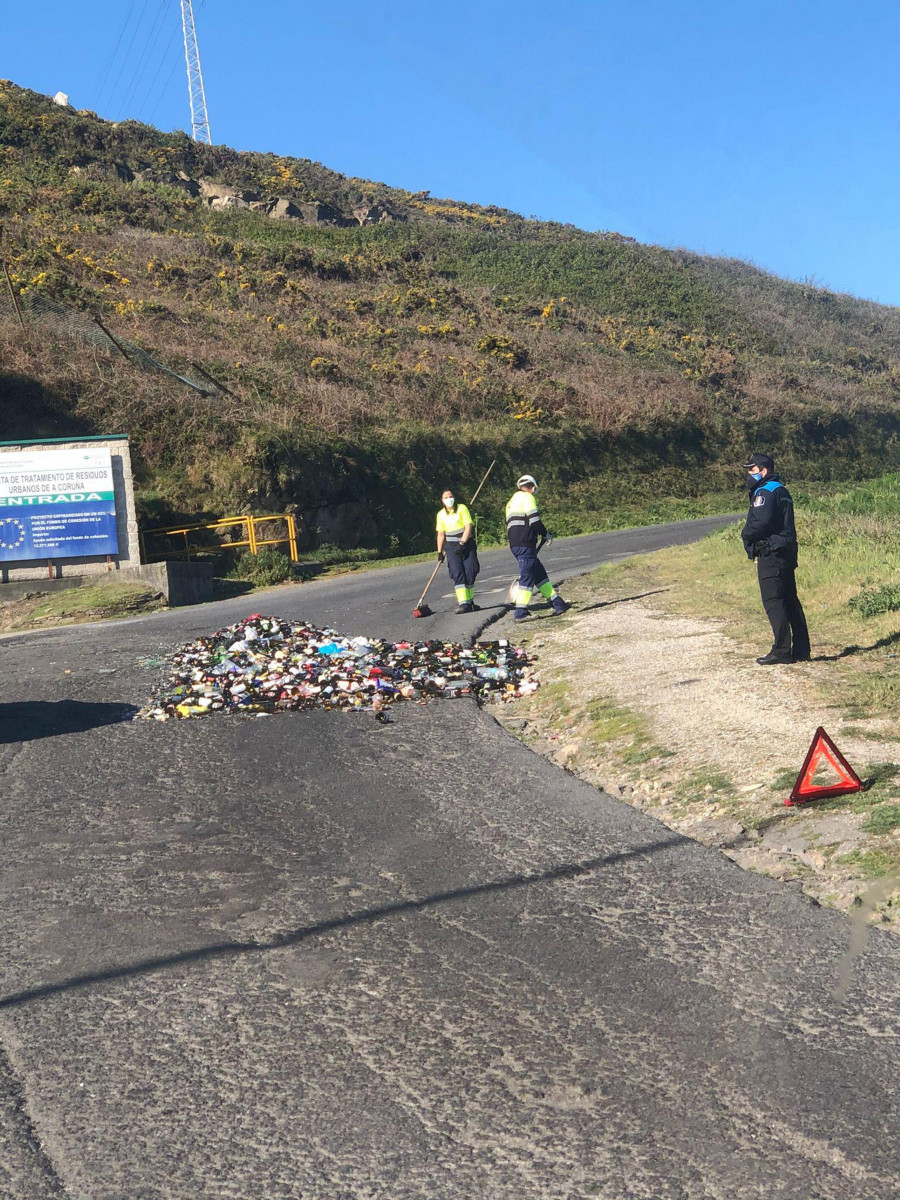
[(532, 573), (462, 565)]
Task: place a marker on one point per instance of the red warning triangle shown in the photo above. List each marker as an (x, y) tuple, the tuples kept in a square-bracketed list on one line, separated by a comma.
[(823, 752)]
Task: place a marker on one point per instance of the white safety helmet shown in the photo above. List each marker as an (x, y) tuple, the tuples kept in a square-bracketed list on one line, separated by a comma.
[(526, 481)]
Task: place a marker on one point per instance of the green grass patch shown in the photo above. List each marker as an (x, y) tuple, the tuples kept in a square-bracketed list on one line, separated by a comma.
[(883, 819), (706, 783), (869, 735), (873, 863), (645, 754), (785, 779), (105, 598), (554, 698), (880, 773), (265, 569), (91, 602), (611, 722)]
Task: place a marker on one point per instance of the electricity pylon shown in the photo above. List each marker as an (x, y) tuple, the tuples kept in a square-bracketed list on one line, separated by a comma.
[(199, 118)]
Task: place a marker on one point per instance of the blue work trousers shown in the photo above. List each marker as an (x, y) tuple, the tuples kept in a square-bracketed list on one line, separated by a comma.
[(532, 572), (462, 562)]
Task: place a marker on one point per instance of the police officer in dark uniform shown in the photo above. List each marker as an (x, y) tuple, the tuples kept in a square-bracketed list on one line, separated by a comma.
[(769, 536)]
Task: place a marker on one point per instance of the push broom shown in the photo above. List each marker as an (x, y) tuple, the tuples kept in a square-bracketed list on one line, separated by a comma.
[(422, 610)]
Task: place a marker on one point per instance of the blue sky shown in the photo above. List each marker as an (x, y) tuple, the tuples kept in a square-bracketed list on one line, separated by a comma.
[(765, 131)]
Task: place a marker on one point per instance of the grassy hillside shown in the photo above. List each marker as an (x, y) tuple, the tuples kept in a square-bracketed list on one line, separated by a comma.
[(367, 365)]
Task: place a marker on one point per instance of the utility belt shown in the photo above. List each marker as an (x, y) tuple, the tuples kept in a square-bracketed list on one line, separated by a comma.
[(788, 552)]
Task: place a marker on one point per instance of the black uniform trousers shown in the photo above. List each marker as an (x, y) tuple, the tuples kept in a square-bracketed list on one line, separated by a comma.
[(778, 589)]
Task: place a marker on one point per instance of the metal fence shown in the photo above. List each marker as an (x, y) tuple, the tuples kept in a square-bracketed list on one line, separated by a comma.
[(199, 541), (32, 309)]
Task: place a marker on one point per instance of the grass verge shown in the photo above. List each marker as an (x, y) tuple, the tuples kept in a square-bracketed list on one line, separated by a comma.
[(94, 602)]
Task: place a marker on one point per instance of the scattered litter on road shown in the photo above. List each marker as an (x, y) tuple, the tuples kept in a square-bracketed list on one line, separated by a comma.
[(266, 665)]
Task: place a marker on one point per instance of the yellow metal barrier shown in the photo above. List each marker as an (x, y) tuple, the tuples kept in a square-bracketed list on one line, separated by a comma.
[(253, 541)]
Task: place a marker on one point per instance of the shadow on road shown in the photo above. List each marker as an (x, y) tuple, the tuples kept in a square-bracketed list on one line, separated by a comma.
[(29, 720), (305, 932)]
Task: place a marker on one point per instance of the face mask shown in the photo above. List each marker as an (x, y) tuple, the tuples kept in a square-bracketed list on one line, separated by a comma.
[(449, 501), (753, 478)]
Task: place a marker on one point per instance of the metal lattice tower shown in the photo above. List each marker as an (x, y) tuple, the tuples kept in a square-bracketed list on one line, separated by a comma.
[(199, 118)]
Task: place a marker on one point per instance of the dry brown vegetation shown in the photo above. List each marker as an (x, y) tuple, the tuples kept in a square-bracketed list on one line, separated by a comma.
[(349, 354)]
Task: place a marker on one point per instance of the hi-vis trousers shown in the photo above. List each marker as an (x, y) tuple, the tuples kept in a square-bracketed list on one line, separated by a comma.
[(532, 574), (462, 563)]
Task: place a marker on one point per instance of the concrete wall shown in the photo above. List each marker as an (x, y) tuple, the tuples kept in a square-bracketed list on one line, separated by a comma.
[(126, 521), (179, 582)]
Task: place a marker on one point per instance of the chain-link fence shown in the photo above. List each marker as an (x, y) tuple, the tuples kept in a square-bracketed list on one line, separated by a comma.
[(33, 309)]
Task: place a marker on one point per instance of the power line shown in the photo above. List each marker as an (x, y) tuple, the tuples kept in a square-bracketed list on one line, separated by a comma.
[(127, 55), (146, 56), (169, 77), (112, 58), (168, 56)]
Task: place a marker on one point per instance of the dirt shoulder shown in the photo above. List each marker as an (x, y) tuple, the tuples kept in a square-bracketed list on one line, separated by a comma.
[(671, 713), (93, 602)]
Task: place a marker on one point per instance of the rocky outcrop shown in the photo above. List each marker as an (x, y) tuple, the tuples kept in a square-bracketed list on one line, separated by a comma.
[(173, 179), (217, 195), (103, 172), (284, 209), (221, 195), (346, 525), (372, 214), (314, 212)]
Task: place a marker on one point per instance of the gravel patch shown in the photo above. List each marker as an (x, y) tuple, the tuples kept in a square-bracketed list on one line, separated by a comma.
[(719, 738)]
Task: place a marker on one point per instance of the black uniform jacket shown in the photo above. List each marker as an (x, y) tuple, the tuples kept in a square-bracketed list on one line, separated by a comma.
[(770, 520)]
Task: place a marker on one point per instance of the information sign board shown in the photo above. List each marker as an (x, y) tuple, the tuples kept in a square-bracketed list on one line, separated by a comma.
[(57, 504)]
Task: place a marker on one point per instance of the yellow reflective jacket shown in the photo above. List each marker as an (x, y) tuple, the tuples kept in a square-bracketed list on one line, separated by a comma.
[(452, 524), (523, 520)]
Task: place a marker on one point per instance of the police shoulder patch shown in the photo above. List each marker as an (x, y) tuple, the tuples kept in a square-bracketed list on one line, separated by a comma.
[(759, 500)]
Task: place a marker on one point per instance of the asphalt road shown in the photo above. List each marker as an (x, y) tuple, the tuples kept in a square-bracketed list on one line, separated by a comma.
[(309, 956)]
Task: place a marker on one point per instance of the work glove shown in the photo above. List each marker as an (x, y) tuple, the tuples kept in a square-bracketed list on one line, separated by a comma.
[(440, 556)]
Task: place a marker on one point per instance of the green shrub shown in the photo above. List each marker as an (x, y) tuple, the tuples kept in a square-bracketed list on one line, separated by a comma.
[(329, 555), (876, 600), (264, 569)]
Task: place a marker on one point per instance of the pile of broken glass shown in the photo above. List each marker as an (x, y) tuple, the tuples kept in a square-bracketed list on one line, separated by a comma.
[(267, 665)]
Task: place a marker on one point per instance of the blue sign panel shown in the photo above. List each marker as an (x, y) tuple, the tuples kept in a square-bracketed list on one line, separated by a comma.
[(57, 504)]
